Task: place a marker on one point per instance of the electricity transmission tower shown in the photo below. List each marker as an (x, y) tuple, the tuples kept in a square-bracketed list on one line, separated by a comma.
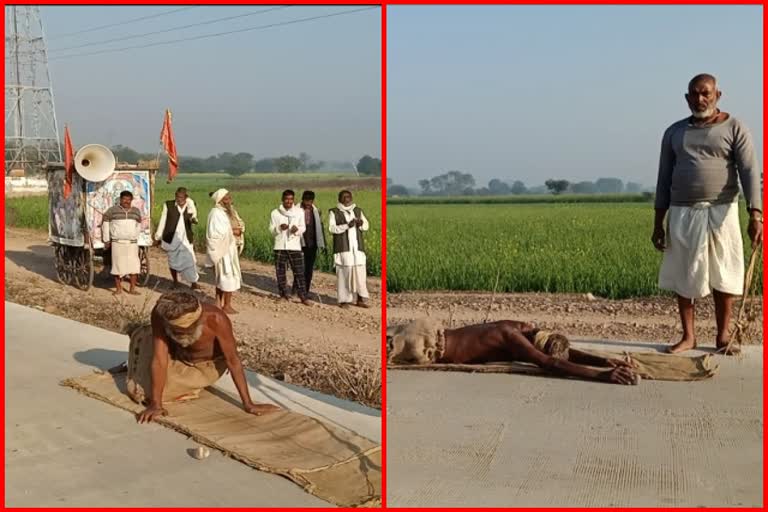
[(31, 131)]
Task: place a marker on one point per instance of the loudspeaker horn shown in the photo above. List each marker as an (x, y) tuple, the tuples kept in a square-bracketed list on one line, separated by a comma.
[(95, 162)]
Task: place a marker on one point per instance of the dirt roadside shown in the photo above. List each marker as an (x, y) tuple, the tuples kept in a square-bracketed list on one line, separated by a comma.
[(322, 347)]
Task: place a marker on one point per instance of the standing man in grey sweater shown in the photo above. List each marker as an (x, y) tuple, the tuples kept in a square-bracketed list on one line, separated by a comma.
[(703, 158)]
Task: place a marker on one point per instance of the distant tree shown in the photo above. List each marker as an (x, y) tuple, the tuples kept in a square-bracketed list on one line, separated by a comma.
[(369, 166), (238, 164), (518, 188), (609, 186), (498, 187), (125, 154), (485, 191), (304, 158), (557, 186), (318, 165), (287, 164), (633, 188), (264, 165), (397, 190), (452, 183), (584, 187)]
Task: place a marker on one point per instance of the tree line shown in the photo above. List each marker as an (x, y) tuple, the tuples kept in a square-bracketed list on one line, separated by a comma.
[(237, 164), (457, 183)]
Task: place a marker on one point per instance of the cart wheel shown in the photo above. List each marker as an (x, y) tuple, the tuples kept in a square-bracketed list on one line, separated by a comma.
[(144, 272), (83, 270), (62, 263)]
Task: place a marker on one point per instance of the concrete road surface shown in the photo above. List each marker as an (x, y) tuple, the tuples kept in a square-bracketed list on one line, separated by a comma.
[(64, 449), (458, 439)]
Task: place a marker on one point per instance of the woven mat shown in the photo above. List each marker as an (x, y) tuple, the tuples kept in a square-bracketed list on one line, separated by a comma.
[(649, 365), (335, 465)]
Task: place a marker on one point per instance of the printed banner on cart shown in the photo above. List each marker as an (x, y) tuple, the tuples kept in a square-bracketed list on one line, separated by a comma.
[(101, 196), (65, 215)]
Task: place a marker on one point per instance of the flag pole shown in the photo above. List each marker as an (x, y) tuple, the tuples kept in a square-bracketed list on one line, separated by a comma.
[(160, 147)]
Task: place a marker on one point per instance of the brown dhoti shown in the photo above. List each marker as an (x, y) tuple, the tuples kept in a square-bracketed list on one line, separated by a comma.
[(183, 381)]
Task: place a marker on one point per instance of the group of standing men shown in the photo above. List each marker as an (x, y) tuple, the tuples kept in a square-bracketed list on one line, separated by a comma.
[(298, 235)]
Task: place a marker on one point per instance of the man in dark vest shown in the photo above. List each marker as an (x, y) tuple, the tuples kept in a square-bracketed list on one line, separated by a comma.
[(174, 235), (312, 239), (347, 223)]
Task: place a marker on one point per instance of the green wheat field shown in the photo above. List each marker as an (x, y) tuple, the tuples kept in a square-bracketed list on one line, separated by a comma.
[(603, 249)]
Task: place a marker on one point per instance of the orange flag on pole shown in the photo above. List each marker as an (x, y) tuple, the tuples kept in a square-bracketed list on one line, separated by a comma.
[(166, 138), (69, 162)]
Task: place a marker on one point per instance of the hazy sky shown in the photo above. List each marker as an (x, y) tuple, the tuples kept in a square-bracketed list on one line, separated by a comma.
[(575, 92), (312, 87)]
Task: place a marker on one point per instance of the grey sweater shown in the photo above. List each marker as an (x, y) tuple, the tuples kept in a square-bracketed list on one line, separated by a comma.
[(700, 164)]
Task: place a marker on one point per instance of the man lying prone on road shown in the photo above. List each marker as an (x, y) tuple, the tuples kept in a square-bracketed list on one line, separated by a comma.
[(424, 341)]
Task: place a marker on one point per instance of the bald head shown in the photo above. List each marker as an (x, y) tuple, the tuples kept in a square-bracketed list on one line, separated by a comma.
[(700, 79), (702, 96)]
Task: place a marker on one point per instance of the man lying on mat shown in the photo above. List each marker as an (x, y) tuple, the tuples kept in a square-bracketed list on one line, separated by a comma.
[(187, 347), (425, 341)]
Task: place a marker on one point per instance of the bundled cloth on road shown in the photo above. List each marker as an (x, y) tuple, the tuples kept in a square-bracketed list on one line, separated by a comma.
[(335, 465)]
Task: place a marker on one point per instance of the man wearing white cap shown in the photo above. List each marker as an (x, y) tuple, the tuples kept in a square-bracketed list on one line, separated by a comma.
[(222, 253)]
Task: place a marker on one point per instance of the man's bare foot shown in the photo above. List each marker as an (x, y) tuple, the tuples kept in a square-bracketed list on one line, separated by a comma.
[(682, 346), (306, 302), (133, 292), (722, 348), (284, 298), (117, 292), (344, 305), (175, 285), (229, 310), (195, 286), (362, 304)]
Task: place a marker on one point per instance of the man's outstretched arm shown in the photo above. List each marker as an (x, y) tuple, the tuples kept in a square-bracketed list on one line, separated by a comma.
[(226, 338), (159, 370), (524, 351)]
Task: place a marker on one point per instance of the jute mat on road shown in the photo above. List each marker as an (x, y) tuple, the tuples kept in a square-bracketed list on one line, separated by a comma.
[(335, 465), (648, 365)]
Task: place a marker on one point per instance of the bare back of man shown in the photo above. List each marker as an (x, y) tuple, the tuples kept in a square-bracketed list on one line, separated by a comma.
[(513, 341)]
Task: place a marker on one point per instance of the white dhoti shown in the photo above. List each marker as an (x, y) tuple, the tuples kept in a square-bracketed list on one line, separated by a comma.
[(181, 258), (227, 269), (704, 252), (125, 258), (351, 284)]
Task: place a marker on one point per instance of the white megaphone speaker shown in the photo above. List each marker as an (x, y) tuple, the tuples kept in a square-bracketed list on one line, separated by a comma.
[(95, 162)]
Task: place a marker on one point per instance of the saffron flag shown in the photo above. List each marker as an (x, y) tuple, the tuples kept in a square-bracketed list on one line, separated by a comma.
[(166, 138), (69, 162)]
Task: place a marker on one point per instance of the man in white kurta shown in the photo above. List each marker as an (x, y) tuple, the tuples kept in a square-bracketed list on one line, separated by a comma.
[(222, 251), (286, 225), (174, 235), (347, 223)]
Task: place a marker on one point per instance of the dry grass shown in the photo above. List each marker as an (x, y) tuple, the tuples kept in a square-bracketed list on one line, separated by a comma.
[(320, 367)]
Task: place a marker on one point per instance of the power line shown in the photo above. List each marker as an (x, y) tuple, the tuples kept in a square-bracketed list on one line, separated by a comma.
[(172, 29), (218, 34), (126, 22)]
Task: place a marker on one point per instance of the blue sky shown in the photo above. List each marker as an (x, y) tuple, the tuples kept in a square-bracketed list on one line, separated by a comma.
[(574, 92), (312, 87)]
